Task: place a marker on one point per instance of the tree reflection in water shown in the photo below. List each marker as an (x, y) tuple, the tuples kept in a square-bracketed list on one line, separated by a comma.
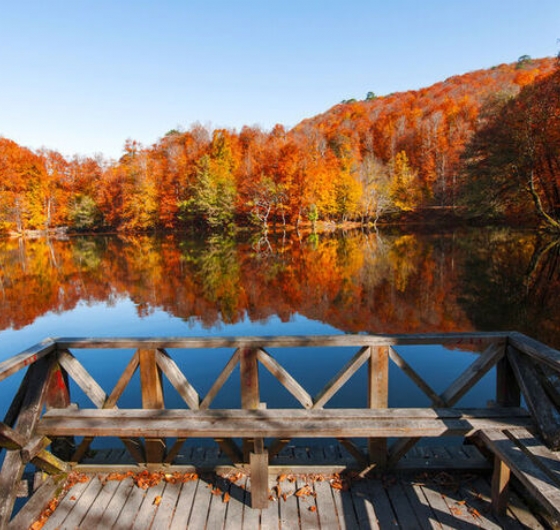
[(353, 281)]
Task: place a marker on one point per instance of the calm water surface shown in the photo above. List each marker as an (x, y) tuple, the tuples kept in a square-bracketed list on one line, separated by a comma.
[(285, 285)]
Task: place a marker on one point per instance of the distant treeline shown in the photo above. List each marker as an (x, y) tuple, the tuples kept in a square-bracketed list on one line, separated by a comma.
[(483, 145)]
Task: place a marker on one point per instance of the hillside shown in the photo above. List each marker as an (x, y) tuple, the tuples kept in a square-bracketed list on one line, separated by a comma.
[(431, 125), (388, 157)]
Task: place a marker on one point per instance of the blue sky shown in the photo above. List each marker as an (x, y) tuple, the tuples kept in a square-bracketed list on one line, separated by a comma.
[(82, 76)]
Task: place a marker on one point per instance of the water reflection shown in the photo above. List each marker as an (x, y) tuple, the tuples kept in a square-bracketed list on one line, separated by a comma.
[(354, 282)]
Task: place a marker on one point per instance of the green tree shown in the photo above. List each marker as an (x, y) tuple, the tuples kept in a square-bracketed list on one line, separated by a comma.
[(84, 213), (213, 195)]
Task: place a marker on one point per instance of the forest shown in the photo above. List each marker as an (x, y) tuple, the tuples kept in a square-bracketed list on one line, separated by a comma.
[(480, 147)]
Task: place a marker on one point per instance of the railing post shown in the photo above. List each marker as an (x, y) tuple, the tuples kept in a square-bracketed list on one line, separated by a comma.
[(58, 397), (508, 393), (378, 398), (250, 392), (253, 449), (152, 398)]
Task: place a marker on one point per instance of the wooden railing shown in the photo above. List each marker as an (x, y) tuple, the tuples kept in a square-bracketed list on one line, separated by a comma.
[(155, 436)]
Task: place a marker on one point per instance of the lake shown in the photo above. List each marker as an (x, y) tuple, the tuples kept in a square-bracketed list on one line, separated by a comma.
[(286, 284)]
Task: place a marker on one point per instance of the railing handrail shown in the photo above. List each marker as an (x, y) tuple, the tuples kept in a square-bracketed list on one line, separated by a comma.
[(285, 341), (27, 357)]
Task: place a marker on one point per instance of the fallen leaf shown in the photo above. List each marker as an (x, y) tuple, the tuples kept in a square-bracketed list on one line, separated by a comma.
[(304, 491), (157, 500), (227, 497)]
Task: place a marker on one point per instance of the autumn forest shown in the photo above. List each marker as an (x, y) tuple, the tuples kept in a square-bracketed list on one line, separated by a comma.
[(479, 147)]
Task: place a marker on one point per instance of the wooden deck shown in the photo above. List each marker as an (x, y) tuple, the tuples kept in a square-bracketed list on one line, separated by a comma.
[(252, 477), (436, 500), (424, 498)]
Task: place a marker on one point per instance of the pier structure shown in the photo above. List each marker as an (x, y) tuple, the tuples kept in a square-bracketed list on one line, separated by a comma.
[(344, 472)]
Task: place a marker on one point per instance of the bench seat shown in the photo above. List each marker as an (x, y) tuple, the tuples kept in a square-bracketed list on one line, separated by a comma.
[(278, 423), (534, 465)]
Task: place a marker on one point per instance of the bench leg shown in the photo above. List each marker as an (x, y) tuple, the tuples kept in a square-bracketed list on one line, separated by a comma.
[(259, 479), (500, 486)]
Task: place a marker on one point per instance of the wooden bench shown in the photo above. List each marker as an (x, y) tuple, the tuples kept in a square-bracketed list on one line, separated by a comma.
[(534, 465), (260, 424)]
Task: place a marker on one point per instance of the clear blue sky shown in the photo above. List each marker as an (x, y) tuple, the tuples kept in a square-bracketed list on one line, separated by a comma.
[(82, 76)]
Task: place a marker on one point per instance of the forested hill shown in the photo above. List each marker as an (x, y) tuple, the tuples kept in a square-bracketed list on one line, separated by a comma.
[(429, 128), (481, 144)]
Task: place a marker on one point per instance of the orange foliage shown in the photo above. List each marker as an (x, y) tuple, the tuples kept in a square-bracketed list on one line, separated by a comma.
[(314, 171)]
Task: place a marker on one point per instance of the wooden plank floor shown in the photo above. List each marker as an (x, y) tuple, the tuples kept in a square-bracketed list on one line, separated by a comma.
[(423, 499), (435, 500)]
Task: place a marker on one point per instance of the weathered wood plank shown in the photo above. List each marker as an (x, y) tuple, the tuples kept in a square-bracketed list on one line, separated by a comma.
[(426, 517), (285, 378), (307, 506), (11, 439), (259, 479), (35, 505), (540, 485), (364, 504), (476, 494), (201, 504), (540, 405), (537, 350), (342, 499), (378, 398), (148, 508), (546, 459), (166, 507), (117, 503), (13, 364), (81, 507), (177, 379), (439, 507), (217, 509), (131, 505), (220, 381), (250, 389), (184, 505), (239, 503), (508, 393), (97, 508), (82, 378), (340, 379), (287, 504), (473, 374), (269, 518), (418, 381), (66, 506), (249, 373), (152, 399), (326, 508), (123, 381), (474, 339), (406, 516), (315, 423), (500, 486), (31, 407)]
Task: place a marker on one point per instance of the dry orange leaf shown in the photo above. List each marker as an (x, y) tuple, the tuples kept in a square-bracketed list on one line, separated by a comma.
[(157, 500), (227, 497), (303, 491), (312, 508)]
